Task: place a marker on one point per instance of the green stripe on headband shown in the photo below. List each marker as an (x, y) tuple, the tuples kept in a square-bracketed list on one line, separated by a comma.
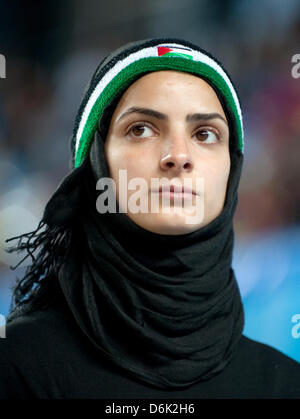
[(178, 54), (126, 76)]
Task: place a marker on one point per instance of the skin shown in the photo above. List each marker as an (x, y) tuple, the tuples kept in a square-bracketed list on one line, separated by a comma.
[(149, 147)]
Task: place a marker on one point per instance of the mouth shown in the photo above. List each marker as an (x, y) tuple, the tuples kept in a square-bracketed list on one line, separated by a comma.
[(175, 191)]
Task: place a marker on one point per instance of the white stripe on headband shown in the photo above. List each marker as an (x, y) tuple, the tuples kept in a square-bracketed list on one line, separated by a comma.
[(135, 56)]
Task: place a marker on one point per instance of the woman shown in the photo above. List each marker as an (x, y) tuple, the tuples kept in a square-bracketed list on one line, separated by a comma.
[(121, 303)]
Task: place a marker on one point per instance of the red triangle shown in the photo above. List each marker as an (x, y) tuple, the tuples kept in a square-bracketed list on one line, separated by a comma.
[(163, 50)]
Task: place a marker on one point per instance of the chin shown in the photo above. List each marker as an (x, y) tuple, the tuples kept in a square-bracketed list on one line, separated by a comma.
[(170, 224)]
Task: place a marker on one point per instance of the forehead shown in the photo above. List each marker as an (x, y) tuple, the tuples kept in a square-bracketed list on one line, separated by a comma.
[(162, 88)]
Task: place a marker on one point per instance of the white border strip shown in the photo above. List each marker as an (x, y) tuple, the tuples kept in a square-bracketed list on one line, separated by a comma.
[(147, 52)]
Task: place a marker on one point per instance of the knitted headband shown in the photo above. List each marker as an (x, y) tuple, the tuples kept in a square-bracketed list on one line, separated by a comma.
[(122, 67)]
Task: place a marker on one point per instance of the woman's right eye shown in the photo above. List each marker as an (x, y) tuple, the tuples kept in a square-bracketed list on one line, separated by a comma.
[(140, 131)]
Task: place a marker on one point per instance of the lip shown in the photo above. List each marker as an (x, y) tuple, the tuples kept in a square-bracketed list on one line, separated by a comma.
[(175, 191), (179, 195)]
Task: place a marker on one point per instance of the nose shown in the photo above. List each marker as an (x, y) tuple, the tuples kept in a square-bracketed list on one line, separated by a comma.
[(177, 157)]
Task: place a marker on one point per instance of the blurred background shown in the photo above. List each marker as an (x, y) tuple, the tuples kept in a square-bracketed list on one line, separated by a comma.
[(51, 50)]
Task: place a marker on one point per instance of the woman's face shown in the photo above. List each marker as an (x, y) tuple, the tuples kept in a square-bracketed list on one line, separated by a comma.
[(169, 126)]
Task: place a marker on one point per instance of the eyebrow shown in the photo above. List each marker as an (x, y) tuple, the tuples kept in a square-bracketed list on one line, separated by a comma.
[(144, 111), (189, 118)]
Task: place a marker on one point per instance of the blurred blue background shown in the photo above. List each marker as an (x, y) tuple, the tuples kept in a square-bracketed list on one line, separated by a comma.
[(51, 50)]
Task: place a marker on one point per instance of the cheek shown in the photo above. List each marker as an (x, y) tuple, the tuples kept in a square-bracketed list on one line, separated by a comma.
[(132, 161), (216, 179)]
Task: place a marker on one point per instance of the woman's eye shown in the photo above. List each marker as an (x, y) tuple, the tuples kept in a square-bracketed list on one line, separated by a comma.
[(207, 136), (141, 131)]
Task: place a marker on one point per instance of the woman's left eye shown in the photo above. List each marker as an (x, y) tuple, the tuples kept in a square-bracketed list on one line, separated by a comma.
[(141, 131), (207, 136)]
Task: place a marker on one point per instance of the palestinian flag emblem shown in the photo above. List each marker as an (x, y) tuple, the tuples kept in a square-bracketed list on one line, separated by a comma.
[(168, 51)]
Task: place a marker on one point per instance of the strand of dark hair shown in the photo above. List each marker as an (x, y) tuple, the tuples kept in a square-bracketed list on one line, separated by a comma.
[(39, 287)]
